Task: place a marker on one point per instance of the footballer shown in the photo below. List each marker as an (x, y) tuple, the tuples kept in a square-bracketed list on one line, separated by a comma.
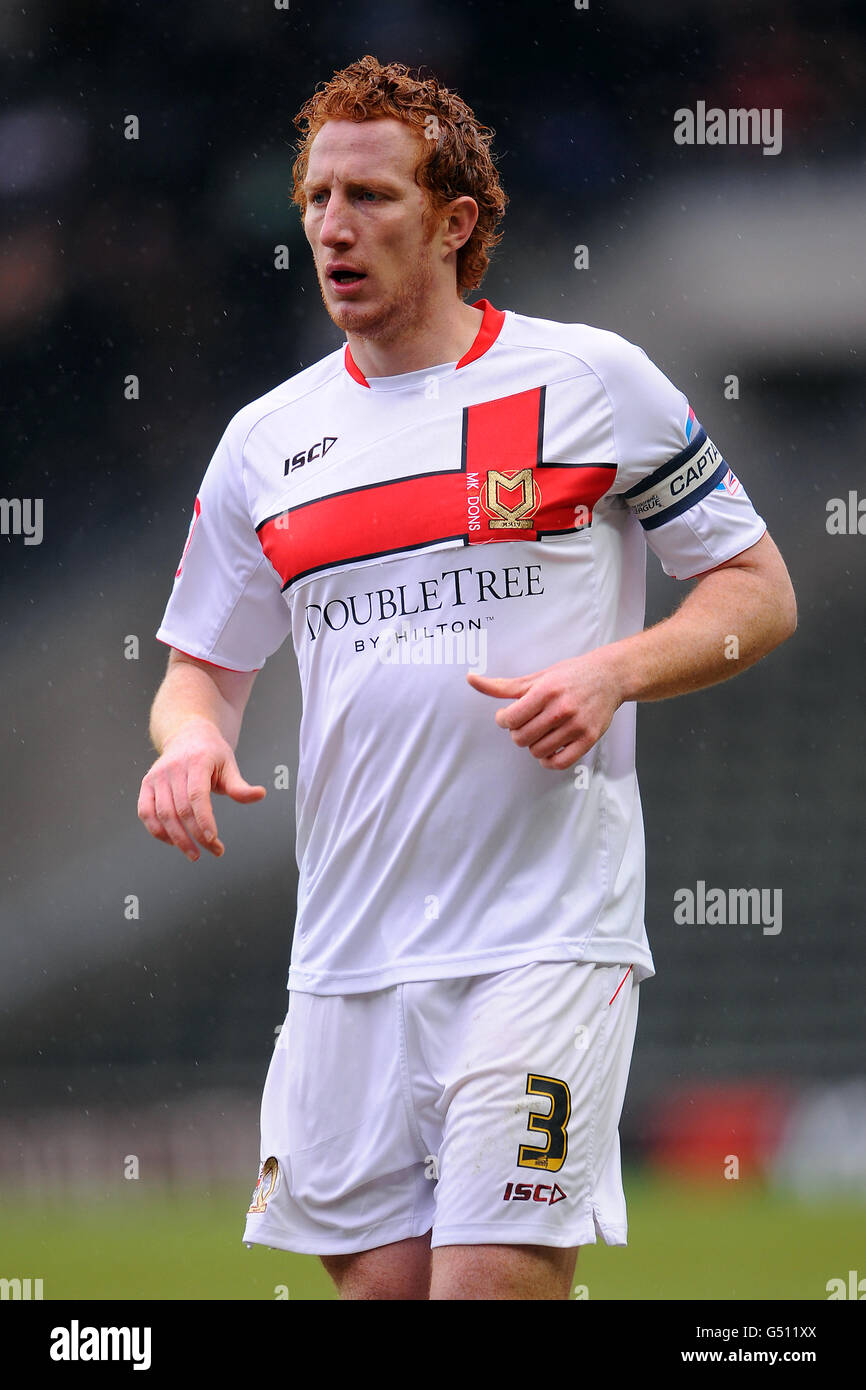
[(440, 1117)]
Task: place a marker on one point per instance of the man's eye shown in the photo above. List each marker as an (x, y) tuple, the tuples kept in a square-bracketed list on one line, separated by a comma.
[(314, 198), (368, 193)]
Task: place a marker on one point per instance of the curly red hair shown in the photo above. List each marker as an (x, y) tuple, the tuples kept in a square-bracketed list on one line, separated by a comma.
[(457, 160)]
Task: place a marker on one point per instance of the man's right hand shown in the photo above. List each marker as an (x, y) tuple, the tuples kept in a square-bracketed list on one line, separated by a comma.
[(175, 799)]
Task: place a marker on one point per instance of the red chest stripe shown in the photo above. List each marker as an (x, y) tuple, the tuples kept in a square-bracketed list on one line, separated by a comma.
[(501, 492)]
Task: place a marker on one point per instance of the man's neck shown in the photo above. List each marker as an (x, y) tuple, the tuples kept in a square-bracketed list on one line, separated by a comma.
[(444, 338)]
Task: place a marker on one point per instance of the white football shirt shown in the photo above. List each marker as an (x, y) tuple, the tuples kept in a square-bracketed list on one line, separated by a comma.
[(493, 514)]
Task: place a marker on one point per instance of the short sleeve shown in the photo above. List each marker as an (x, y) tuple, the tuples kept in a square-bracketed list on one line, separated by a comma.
[(694, 510), (226, 606)]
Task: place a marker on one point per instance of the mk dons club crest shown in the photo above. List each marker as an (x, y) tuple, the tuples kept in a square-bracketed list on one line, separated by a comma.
[(269, 1177), (510, 499)]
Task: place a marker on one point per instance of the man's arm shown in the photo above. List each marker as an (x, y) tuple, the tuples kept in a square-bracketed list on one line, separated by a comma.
[(559, 713), (195, 723)]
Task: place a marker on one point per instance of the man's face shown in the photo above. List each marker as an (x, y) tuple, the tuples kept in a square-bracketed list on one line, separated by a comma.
[(365, 214)]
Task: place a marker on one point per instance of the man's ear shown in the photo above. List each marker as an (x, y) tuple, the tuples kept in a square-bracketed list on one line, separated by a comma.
[(461, 215)]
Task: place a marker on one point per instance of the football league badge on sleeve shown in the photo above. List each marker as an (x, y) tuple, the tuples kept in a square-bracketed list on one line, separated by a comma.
[(730, 483)]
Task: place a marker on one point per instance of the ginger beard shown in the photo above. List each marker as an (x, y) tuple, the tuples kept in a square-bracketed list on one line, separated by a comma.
[(400, 311)]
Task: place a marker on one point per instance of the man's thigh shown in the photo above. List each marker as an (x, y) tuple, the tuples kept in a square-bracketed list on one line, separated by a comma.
[(408, 1270), (502, 1272), (400, 1271)]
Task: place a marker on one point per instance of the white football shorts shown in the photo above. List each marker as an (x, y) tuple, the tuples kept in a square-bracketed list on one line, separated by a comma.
[(484, 1110)]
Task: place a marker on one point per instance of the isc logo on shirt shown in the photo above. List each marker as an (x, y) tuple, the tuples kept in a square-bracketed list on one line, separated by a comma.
[(315, 451)]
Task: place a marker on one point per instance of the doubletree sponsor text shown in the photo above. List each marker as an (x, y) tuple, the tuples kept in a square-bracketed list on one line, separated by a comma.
[(451, 587)]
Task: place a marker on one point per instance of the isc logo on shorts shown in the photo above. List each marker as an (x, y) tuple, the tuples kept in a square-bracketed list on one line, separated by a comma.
[(524, 1191)]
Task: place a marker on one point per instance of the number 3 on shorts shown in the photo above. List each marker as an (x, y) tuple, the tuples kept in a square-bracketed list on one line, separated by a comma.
[(553, 1124)]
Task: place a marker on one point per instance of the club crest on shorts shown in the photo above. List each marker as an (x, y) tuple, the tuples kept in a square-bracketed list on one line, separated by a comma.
[(269, 1177)]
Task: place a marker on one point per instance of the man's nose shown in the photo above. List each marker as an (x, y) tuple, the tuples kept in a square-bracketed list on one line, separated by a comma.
[(336, 224)]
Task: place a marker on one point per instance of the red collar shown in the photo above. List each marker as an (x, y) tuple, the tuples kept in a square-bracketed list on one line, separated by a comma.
[(491, 326)]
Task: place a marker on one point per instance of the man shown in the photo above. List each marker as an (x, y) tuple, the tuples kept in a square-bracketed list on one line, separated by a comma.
[(440, 1118)]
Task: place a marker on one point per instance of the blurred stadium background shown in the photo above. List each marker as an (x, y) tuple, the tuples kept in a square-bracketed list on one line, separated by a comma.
[(147, 1038)]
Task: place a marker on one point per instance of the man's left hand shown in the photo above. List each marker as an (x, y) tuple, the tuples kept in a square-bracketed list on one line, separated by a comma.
[(558, 713)]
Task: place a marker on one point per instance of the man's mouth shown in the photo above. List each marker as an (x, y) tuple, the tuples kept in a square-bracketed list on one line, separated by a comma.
[(346, 277)]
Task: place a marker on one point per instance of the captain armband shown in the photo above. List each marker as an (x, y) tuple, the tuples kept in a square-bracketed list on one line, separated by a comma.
[(679, 483)]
